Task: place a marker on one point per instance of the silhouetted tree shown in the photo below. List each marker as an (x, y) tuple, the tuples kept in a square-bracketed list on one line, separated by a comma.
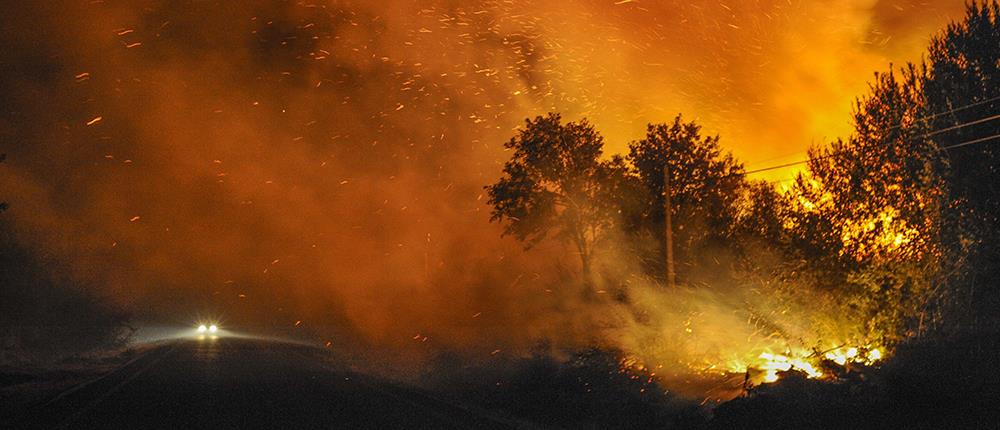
[(557, 183), (885, 218), (869, 216), (961, 88), (704, 188), (762, 210)]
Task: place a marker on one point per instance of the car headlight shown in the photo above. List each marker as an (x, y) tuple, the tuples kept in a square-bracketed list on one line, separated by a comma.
[(213, 328), (202, 328)]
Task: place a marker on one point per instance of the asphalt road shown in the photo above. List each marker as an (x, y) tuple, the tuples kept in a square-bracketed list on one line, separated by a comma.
[(229, 383)]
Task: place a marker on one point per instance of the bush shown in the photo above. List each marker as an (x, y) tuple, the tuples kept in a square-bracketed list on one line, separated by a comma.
[(594, 388)]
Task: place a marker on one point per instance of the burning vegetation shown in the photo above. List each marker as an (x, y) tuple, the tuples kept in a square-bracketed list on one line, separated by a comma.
[(613, 211), (821, 278)]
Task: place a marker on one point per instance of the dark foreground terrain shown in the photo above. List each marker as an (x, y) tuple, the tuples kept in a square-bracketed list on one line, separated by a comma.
[(229, 382), (238, 383)]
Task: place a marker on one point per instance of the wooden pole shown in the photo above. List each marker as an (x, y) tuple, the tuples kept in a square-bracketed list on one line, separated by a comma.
[(668, 227)]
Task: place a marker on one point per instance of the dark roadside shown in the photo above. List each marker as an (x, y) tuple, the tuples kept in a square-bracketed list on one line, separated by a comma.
[(240, 383), (25, 386)]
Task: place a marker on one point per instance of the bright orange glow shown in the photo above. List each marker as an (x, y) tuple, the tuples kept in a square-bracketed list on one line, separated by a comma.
[(325, 161)]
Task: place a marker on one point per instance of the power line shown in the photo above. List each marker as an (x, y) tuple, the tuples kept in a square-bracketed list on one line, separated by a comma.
[(780, 166), (993, 99), (945, 148), (971, 142), (978, 121), (833, 154), (931, 116)]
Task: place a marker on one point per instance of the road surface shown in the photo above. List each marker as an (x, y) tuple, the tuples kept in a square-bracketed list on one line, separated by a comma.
[(230, 383)]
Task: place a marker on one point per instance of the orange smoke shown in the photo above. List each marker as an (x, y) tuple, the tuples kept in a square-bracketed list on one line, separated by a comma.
[(282, 162)]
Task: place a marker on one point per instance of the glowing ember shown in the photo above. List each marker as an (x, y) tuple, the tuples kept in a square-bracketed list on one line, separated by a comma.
[(774, 363), (811, 364)]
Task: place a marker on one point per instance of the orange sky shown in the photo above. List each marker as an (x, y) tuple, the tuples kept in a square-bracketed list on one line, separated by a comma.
[(770, 76), (324, 161)]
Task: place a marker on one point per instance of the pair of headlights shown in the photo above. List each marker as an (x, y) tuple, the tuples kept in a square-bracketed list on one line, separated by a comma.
[(208, 328)]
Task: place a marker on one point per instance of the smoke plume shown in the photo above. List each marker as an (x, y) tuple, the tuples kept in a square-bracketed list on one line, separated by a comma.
[(320, 164)]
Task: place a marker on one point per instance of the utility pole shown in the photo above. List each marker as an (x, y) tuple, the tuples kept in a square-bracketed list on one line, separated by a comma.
[(668, 227)]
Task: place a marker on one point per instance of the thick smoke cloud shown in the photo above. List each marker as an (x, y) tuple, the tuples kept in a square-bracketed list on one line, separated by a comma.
[(279, 161)]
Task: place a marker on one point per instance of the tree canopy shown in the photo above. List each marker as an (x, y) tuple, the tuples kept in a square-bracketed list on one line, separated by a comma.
[(894, 221), (557, 183), (704, 183)]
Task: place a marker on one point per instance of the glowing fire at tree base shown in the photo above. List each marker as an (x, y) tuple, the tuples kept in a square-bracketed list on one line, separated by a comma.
[(814, 365)]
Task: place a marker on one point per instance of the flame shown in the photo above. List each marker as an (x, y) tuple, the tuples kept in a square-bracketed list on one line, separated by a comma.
[(891, 233), (811, 363), (774, 363), (423, 101), (768, 366), (720, 381)]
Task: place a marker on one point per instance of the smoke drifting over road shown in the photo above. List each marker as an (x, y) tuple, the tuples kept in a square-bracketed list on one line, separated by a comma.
[(322, 163)]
